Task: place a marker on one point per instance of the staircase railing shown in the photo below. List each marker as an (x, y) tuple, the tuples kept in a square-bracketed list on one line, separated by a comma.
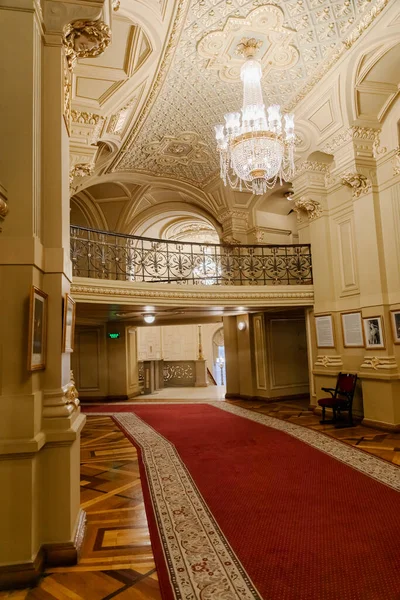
[(104, 255)]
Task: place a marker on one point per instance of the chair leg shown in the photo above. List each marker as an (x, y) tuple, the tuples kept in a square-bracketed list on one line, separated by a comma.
[(323, 415)]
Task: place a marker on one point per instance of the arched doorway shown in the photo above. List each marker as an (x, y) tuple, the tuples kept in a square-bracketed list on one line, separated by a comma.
[(219, 371)]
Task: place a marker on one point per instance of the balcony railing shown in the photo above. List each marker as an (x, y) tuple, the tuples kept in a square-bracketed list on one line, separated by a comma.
[(105, 255)]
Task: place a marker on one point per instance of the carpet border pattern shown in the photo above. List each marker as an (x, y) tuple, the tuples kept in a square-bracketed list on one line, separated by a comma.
[(200, 561), (369, 465)]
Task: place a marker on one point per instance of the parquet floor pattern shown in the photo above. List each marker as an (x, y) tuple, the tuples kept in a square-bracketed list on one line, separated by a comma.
[(116, 559)]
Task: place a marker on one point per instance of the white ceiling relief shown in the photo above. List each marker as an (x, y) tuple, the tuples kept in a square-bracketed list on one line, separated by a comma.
[(301, 40)]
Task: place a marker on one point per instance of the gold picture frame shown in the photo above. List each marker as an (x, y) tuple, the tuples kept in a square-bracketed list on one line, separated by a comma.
[(395, 319), (373, 331), (68, 339), (324, 331), (349, 329), (37, 338)]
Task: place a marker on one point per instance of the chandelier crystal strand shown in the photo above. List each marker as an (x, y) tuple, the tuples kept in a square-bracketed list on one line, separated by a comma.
[(255, 149)]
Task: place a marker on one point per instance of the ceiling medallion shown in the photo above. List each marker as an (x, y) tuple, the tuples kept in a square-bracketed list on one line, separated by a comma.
[(255, 150), (275, 48), (184, 149)]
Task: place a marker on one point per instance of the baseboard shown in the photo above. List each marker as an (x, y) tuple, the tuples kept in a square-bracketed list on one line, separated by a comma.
[(381, 425), (267, 400), (88, 399), (22, 575), (50, 555)]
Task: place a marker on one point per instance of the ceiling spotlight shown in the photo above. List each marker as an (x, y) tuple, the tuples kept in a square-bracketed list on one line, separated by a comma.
[(289, 195), (241, 325), (149, 318)]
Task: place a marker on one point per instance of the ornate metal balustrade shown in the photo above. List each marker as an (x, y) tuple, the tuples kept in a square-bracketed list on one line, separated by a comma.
[(105, 255)]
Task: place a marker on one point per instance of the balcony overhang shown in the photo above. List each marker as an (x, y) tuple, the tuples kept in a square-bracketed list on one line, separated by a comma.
[(101, 291)]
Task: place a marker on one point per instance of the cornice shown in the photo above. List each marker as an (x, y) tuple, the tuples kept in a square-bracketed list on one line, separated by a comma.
[(86, 290)]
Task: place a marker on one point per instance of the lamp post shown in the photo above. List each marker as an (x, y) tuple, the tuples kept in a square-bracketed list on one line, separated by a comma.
[(220, 362)]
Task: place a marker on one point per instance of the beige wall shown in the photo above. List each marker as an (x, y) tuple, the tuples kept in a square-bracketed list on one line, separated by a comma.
[(177, 342)]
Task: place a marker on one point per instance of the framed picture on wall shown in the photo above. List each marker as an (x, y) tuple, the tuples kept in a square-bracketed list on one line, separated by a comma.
[(68, 324), (373, 330), (353, 335), (324, 330), (395, 314), (37, 330)]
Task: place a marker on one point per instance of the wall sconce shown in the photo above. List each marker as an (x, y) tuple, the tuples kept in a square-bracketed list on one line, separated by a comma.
[(241, 325), (149, 318)]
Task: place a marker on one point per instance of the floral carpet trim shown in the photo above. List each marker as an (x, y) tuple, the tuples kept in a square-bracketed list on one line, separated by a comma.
[(372, 466), (200, 561)]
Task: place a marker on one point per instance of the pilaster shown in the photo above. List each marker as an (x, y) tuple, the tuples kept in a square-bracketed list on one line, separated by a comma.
[(39, 411)]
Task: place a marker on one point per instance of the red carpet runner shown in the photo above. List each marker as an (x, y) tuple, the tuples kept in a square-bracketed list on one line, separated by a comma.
[(304, 525)]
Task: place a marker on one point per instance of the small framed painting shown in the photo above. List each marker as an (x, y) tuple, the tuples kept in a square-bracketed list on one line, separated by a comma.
[(395, 314), (373, 330), (353, 335), (324, 330), (37, 330), (68, 324)]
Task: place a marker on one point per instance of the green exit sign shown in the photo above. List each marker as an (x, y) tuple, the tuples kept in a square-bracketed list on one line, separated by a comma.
[(114, 336)]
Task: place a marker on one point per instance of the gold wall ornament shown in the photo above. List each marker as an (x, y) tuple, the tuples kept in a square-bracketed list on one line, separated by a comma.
[(3, 204), (85, 39), (83, 117), (359, 183), (80, 170), (396, 162), (71, 394), (116, 4), (308, 206)]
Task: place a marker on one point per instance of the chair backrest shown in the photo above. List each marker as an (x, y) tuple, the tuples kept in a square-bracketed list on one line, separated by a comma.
[(346, 385)]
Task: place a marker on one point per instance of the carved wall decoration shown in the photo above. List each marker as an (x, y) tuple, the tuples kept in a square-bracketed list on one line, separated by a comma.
[(88, 118), (185, 149), (359, 183), (85, 39), (67, 96), (379, 363), (71, 393), (307, 206), (275, 49), (327, 361), (3, 204)]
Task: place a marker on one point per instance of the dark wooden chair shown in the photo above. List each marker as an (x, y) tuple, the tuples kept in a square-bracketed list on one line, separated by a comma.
[(340, 399)]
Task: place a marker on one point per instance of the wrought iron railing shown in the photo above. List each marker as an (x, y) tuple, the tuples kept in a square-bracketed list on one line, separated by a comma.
[(105, 255)]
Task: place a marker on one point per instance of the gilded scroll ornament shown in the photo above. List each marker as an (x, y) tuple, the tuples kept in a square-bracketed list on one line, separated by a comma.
[(359, 183), (304, 205), (3, 204), (85, 39)]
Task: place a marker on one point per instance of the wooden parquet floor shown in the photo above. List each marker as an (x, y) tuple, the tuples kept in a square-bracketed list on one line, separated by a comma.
[(116, 559)]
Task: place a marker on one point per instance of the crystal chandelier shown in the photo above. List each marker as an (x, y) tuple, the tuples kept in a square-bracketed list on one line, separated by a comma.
[(255, 149)]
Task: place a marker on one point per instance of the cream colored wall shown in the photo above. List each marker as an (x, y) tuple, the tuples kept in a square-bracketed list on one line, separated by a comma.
[(176, 342)]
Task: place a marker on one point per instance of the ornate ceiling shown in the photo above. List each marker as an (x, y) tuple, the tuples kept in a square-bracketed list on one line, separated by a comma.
[(301, 40)]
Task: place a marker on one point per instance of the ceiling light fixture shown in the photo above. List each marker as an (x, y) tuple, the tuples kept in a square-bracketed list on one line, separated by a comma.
[(255, 150), (241, 325), (149, 318)]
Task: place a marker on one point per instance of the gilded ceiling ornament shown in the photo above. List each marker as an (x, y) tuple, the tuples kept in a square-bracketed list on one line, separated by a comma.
[(224, 49), (185, 149), (85, 39), (359, 183), (305, 205)]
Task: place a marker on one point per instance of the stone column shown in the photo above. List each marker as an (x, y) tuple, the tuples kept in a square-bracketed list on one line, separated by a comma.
[(40, 420)]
